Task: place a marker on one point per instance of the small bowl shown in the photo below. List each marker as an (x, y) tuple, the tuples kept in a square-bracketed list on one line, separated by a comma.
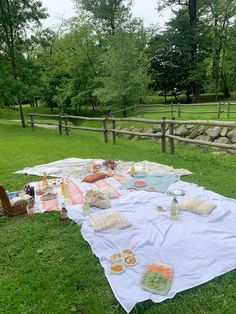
[(130, 260), (119, 266), (116, 257), (127, 252)]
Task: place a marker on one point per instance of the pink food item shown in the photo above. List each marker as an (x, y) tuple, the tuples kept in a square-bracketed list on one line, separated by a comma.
[(140, 183)]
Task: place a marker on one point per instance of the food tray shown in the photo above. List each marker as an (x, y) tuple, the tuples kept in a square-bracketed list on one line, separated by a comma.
[(157, 281)]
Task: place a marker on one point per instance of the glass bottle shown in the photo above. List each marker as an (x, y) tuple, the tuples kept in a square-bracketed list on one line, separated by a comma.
[(174, 209), (63, 188), (86, 208), (94, 168), (45, 179), (132, 170), (64, 212), (144, 168)]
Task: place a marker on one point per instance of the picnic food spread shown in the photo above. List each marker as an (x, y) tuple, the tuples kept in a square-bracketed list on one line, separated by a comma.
[(115, 257), (128, 251), (117, 268), (130, 260), (48, 196), (157, 278), (105, 235)]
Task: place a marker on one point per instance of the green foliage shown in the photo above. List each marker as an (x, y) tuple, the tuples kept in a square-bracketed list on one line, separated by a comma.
[(124, 69), (17, 71), (171, 56), (105, 12)]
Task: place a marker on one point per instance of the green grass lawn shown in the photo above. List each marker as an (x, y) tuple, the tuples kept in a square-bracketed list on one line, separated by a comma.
[(66, 277)]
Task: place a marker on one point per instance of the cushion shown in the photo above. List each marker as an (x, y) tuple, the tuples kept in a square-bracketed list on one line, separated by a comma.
[(109, 221), (94, 177), (198, 206), (98, 199), (109, 191)]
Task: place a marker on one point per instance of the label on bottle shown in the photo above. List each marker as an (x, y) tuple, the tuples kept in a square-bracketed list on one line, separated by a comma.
[(174, 209)]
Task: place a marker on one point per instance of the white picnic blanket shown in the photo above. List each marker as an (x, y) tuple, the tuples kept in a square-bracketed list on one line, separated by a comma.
[(75, 168), (198, 248)]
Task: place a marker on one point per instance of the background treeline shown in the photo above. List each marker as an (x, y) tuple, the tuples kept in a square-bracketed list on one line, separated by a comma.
[(105, 59)]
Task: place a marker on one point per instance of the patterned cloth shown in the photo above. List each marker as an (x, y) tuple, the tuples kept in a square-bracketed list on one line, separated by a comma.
[(157, 183), (75, 192)]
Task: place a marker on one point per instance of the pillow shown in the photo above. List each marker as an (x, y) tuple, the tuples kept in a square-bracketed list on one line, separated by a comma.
[(109, 221), (109, 191), (97, 199), (94, 177), (198, 206)]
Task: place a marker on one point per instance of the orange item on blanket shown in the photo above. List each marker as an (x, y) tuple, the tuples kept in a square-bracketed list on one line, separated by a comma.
[(94, 177)]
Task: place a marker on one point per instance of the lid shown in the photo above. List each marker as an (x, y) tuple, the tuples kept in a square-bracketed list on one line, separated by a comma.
[(63, 208)]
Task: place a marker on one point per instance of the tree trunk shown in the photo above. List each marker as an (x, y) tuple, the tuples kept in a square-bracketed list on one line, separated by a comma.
[(22, 116), (193, 23)]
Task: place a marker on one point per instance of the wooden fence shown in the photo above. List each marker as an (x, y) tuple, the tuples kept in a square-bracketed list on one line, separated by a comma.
[(112, 128), (179, 109)]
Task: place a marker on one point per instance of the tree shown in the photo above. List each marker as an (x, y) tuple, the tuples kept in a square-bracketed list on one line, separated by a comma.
[(104, 11), (123, 72), (228, 63), (70, 65), (220, 16), (192, 13), (171, 55), (17, 18)]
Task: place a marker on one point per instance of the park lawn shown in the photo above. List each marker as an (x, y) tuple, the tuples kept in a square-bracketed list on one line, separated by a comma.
[(47, 267)]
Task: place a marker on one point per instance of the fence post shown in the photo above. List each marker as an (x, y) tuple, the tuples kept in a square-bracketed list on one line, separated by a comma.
[(105, 130), (142, 110), (171, 111), (32, 120), (228, 109), (22, 116), (113, 133), (59, 124), (171, 132), (219, 110), (163, 138), (179, 109), (66, 125)]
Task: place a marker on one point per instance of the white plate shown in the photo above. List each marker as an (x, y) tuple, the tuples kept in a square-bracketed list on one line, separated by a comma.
[(176, 193), (117, 272), (117, 260), (127, 254), (130, 265)]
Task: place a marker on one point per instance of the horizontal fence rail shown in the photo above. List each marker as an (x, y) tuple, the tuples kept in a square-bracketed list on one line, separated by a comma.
[(178, 109), (113, 130)]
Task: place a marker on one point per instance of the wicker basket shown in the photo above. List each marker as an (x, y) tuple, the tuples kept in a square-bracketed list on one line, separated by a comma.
[(9, 209), (16, 209)]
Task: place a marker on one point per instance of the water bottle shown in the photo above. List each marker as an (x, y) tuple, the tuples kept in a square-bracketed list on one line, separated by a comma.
[(132, 170), (174, 209), (64, 213), (86, 208)]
